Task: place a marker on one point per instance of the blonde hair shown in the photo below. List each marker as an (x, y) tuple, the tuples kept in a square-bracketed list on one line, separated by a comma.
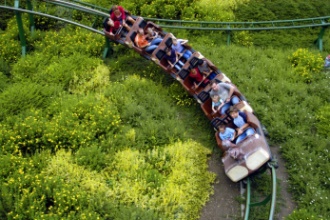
[(215, 97)]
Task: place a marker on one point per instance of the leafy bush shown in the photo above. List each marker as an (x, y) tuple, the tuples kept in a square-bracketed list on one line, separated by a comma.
[(23, 96), (3, 81), (73, 122), (48, 70), (158, 179), (306, 63), (69, 41), (145, 107), (323, 118), (243, 38), (10, 47), (303, 214)]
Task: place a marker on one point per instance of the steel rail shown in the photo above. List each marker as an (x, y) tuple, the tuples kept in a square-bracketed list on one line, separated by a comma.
[(228, 26), (53, 17), (270, 198), (75, 6)]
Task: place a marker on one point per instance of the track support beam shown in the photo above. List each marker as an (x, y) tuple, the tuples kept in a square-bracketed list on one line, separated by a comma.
[(271, 197), (20, 28)]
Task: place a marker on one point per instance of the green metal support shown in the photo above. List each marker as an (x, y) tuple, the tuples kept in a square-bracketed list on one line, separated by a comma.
[(228, 37), (271, 197), (248, 199), (107, 48), (20, 28), (31, 18), (319, 40)]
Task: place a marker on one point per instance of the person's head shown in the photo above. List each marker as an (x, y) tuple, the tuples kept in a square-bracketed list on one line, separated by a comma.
[(193, 71), (115, 10), (150, 31), (110, 23), (222, 128), (140, 31), (168, 50), (214, 85), (215, 98), (174, 41), (233, 111)]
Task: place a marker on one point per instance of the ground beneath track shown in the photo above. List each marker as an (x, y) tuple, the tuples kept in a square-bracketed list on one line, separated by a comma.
[(224, 203)]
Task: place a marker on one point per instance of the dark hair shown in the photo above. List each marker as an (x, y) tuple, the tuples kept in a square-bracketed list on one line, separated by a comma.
[(233, 109), (213, 81), (222, 126)]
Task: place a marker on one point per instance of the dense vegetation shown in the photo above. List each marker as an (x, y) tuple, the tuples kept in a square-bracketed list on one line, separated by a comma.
[(83, 138)]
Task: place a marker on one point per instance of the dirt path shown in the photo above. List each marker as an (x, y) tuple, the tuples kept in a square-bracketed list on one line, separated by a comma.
[(287, 204), (224, 204)]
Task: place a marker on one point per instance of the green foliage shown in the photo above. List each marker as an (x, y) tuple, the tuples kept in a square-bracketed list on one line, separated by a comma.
[(23, 96), (4, 67), (48, 70), (158, 179), (243, 38), (74, 122), (92, 157), (3, 81), (303, 214), (323, 118), (70, 41), (45, 23), (212, 10), (256, 10), (10, 47), (281, 10), (148, 113), (181, 97), (306, 63)]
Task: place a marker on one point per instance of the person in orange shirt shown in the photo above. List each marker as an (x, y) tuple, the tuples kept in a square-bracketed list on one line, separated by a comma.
[(141, 40)]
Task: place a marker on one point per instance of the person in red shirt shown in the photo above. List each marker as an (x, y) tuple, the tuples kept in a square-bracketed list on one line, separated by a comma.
[(198, 78), (111, 27), (117, 13)]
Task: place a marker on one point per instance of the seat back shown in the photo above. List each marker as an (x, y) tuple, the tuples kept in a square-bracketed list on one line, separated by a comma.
[(203, 96), (194, 61), (183, 73), (130, 36), (252, 120)]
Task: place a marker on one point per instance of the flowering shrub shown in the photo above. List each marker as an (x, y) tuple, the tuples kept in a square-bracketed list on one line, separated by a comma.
[(85, 73), (181, 96), (20, 97), (10, 46), (173, 181), (306, 63), (243, 38), (73, 123), (71, 40)]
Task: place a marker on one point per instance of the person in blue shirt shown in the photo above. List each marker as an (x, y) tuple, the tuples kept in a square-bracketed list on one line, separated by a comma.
[(226, 133), (327, 62), (217, 103), (180, 49), (242, 127)]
